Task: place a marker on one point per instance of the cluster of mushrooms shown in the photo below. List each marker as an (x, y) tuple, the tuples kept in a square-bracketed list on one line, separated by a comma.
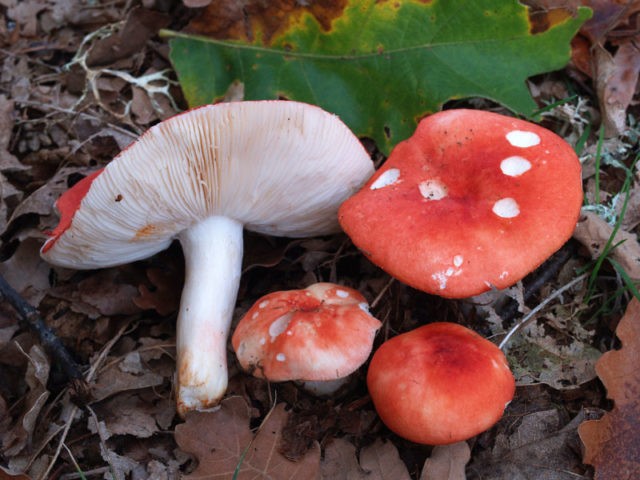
[(473, 201)]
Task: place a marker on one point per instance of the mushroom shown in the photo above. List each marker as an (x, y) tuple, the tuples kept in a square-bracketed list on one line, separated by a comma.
[(273, 167), (472, 201), (318, 334), (439, 384)]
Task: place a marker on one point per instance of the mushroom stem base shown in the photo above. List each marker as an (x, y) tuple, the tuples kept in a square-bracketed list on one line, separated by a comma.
[(213, 264)]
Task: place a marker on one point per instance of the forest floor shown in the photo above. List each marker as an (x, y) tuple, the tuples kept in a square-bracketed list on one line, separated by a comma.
[(81, 80)]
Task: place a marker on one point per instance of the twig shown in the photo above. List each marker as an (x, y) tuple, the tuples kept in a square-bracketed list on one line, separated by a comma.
[(74, 408), (543, 274), (48, 338), (79, 113), (376, 300), (529, 316)]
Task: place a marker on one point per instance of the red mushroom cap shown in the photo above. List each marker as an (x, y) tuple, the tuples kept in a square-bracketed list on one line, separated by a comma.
[(323, 332), (473, 200), (439, 384), (68, 203)]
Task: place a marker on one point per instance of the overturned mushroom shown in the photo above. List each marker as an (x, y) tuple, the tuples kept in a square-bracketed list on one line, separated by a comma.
[(274, 167)]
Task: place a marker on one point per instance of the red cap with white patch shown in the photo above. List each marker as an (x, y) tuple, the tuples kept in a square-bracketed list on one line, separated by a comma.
[(439, 384), (472, 201), (323, 332)]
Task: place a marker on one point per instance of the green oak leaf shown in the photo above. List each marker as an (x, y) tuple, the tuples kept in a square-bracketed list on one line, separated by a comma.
[(384, 65)]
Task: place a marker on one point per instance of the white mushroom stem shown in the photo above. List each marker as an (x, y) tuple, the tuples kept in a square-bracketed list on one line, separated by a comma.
[(213, 264)]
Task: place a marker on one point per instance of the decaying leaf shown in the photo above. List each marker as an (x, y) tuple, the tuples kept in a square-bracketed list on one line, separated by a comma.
[(26, 272), (126, 414), (163, 295), (102, 293), (139, 26), (616, 79), (381, 460), (447, 462), (340, 461), (223, 444), (42, 200), (7, 476), (612, 444), (555, 350), (539, 448), (378, 461), (115, 380), (9, 195), (594, 233), (37, 376)]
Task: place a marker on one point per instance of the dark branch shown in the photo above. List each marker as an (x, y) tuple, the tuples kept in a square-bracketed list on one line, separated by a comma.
[(29, 315)]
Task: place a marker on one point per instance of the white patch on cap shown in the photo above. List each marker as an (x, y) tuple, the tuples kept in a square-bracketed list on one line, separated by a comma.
[(254, 316), (263, 341), (503, 275), (432, 190), (364, 307), (522, 139), (281, 357), (441, 278), (342, 293), (515, 166), (279, 325), (457, 260), (387, 178), (506, 208), (263, 304)]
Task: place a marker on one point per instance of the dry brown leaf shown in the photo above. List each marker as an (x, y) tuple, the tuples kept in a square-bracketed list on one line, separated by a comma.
[(222, 442), (127, 414), (166, 287), (7, 476), (616, 77), (25, 14), (447, 462), (538, 448), (140, 25), (9, 195), (241, 20), (609, 16), (594, 233), (102, 293), (26, 272), (113, 380), (19, 437), (41, 201), (381, 461), (632, 213), (612, 444), (378, 461), (340, 462)]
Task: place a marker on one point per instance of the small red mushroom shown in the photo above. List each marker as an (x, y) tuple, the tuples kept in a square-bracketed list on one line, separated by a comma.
[(321, 333), (439, 384), (472, 201)]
